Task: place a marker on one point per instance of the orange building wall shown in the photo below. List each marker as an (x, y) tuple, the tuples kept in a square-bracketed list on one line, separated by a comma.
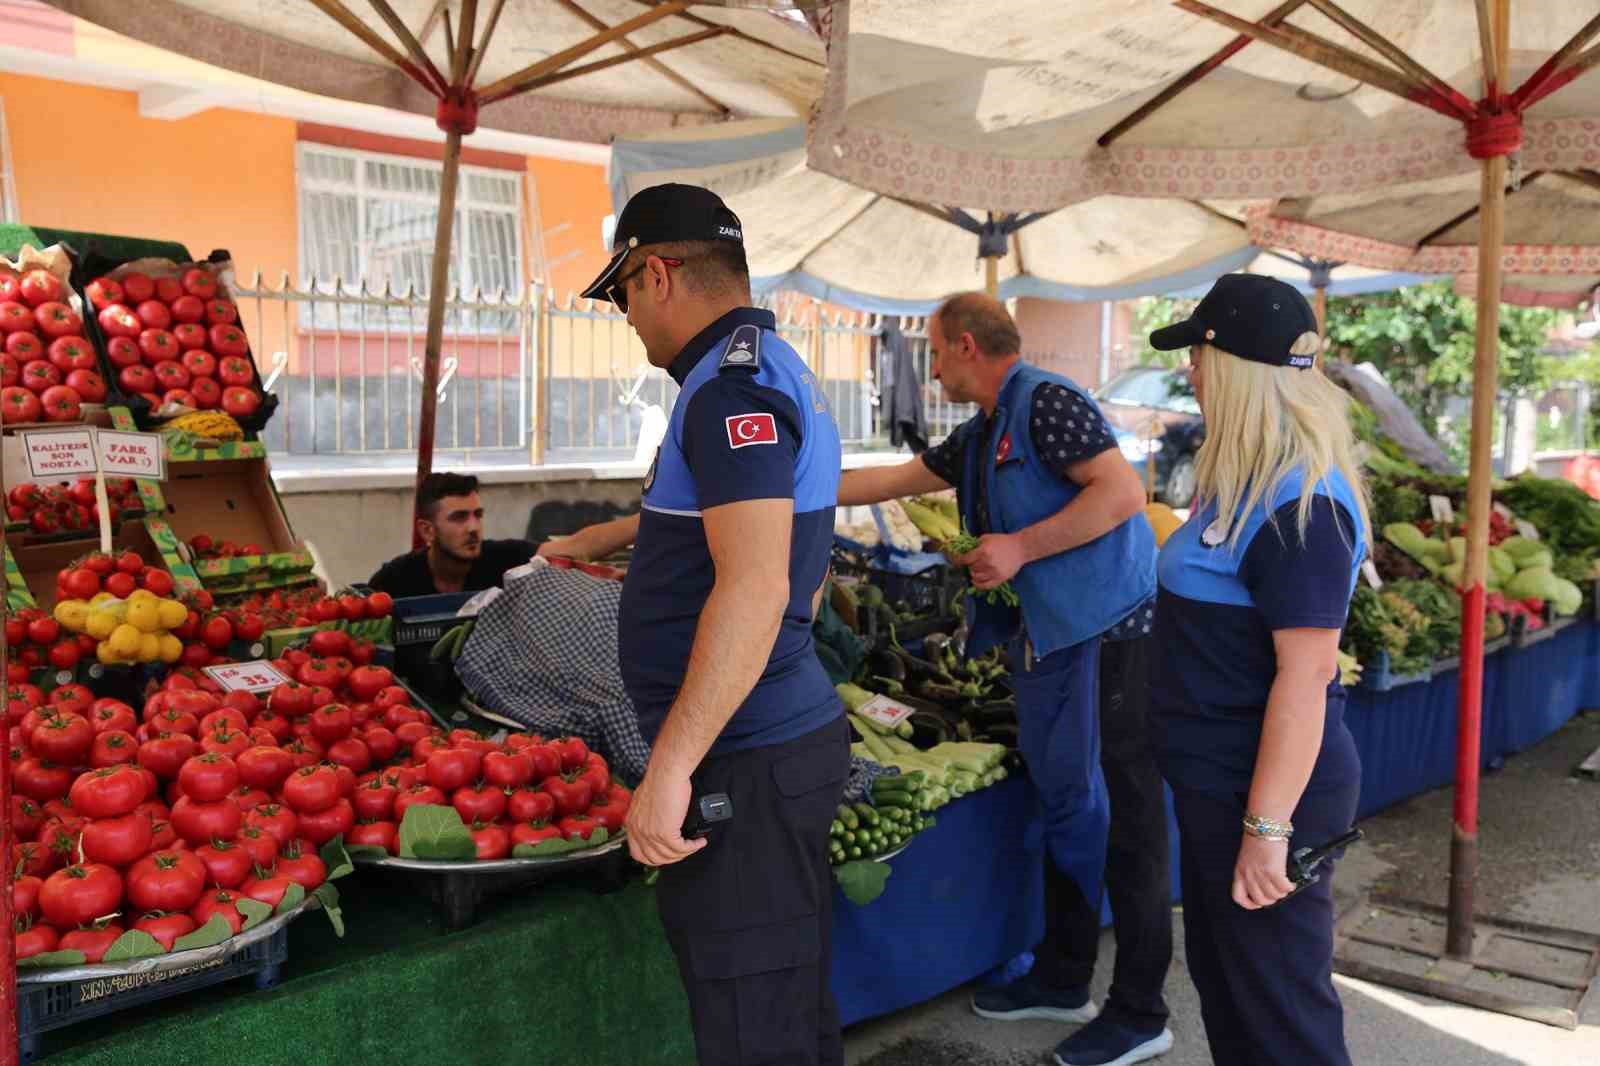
[(573, 193), (219, 179)]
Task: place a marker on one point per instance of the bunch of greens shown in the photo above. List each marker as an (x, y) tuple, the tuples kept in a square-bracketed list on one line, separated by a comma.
[(1568, 519), (1387, 623), (964, 542)]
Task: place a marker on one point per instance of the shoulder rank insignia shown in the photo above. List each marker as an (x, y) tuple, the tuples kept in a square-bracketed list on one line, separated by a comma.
[(744, 349)]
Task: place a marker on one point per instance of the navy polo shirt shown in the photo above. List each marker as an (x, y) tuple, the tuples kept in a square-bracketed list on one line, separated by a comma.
[(750, 423), (1216, 610)]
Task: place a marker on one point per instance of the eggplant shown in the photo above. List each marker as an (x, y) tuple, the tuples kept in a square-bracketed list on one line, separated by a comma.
[(928, 729), (883, 663)]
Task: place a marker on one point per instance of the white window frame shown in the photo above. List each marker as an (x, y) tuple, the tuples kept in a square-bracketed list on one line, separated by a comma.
[(462, 235)]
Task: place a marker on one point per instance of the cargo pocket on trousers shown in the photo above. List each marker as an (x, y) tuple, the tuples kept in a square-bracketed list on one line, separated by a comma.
[(758, 990)]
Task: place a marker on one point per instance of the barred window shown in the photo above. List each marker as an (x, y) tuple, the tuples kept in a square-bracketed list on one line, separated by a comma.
[(369, 217)]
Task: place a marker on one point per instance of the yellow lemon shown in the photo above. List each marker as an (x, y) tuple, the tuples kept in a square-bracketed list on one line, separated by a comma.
[(104, 653), (141, 594), (149, 647), (100, 624), (172, 614), (73, 614), (99, 598), (125, 641), (145, 615), (171, 648)]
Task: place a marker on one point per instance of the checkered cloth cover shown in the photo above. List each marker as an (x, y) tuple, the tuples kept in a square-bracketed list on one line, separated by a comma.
[(544, 653)]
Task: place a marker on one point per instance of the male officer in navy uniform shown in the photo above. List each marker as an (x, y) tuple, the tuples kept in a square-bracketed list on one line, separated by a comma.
[(1059, 515), (733, 540)]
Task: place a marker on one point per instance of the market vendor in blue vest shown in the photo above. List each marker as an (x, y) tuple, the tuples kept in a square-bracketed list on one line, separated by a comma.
[(1059, 514)]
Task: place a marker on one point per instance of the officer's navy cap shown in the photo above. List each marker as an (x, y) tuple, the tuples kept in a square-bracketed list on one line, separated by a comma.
[(664, 213), (1251, 316)]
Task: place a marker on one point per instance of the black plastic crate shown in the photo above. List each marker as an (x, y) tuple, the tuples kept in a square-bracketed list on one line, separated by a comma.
[(42, 1007), (424, 619)]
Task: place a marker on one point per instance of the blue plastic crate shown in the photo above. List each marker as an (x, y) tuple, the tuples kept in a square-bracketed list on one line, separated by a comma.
[(1379, 676), (42, 1007), (424, 619)]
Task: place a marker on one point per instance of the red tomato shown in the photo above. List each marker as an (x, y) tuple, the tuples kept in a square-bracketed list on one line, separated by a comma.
[(113, 747), (268, 890), (530, 805), (264, 767), (56, 319), (65, 655), (577, 826), (379, 604), (207, 393), (574, 753), (374, 801), (164, 929), (381, 743), (68, 354), (137, 379), (218, 901), (228, 341), (26, 817), (117, 841), (154, 314), (36, 940), (165, 755), (351, 753), (25, 348), (158, 582), (227, 864), (221, 312), (39, 286), (77, 895), (138, 287), (94, 943), (197, 282), (300, 863), (16, 318), (332, 722), (491, 842), (533, 832), (235, 370), (191, 335), (25, 896), (216, 632), (453, 768), (103, 292), (108, 793), (261, 846), (274, 724), (416, 796), (546, 761), (115, 321), (608, 813), (480, 803), (326, 643), (198, 822), (376, 834), (571, 796), (278, 822), (311, 788), (166, 881), (208, 778), (504, 770), (319, 827), (170, 375), (401, 777), (225, 741), (65, 739), (168, 290), (123, 352), (248, 799), (163, 837)]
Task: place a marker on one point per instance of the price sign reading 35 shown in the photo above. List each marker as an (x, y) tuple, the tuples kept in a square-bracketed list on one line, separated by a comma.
[(257, 676)]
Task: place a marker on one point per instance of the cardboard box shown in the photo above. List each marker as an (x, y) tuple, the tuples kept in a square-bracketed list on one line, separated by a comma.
[(232, 499), (38, 564)]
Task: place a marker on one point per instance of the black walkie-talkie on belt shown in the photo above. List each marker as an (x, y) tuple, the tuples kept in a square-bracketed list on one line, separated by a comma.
[(706, 813), (1303, 862)]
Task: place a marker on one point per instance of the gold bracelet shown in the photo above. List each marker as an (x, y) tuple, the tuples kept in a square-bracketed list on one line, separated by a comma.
[(1266, 828)]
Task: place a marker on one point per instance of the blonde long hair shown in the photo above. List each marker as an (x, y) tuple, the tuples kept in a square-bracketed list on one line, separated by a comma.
[(1263, 422)]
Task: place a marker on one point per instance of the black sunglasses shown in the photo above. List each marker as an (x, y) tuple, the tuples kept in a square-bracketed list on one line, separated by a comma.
[(617, 291)]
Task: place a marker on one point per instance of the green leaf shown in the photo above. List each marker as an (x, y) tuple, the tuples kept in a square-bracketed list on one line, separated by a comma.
[(431, 831), (293, 896), (862, 880), (53, 958), (254, 911), (215, 931), (328, 896), (336, 858), (559, 846), (134, 944), (354, 850)]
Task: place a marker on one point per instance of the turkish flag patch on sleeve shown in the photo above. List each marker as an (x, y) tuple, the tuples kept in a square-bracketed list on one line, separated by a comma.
[(754, 428)]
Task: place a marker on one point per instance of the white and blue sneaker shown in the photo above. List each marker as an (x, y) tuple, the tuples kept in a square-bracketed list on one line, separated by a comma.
[(1029, 998), (1105, 1043)]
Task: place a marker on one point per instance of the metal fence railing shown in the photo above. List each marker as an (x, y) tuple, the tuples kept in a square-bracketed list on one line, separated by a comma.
[(525, 376)]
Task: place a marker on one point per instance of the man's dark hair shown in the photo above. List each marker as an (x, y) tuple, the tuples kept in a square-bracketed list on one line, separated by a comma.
[(436, 487), (710, 268), (993, 329)]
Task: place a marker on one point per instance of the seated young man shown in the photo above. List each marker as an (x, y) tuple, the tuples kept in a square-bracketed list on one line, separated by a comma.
[(456, 558)]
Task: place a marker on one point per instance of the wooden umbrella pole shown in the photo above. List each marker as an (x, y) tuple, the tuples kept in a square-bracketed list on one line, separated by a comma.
[(438, 290), (991, 276), (1469, 703)]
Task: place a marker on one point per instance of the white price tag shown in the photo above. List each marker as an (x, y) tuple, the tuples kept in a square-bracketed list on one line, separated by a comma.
[(1527, 530), (1370, 572), (1503, 511), (133, 454), (1442, 511), (55, 454), (258, 676), (884, 711)]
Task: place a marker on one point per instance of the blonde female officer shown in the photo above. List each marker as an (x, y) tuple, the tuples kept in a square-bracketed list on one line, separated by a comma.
[(1246, 712)]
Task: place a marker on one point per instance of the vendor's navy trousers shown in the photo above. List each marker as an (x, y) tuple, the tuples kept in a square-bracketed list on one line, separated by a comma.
[(1265, 976), (1101, 738), (750, 916)]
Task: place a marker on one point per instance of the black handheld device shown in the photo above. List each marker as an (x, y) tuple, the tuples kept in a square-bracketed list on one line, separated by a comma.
[(705, 813), (1303, 862)]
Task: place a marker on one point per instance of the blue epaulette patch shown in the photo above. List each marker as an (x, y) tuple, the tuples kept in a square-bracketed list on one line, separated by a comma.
[(744, 349)]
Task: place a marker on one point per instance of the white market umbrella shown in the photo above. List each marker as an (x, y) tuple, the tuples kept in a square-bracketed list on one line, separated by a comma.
[(938, 100)]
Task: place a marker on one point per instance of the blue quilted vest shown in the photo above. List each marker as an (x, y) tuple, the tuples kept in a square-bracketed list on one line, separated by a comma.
[(1072, 595)]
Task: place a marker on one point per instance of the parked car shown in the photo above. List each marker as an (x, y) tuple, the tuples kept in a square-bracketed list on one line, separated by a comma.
[(1155, 416)]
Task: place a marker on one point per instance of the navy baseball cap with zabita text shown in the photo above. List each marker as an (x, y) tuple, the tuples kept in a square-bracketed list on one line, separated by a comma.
[(1251, 316), (662, 214)]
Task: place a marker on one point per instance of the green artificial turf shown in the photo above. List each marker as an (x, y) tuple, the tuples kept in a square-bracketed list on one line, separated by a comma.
[(555, 974), (14, 235)]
